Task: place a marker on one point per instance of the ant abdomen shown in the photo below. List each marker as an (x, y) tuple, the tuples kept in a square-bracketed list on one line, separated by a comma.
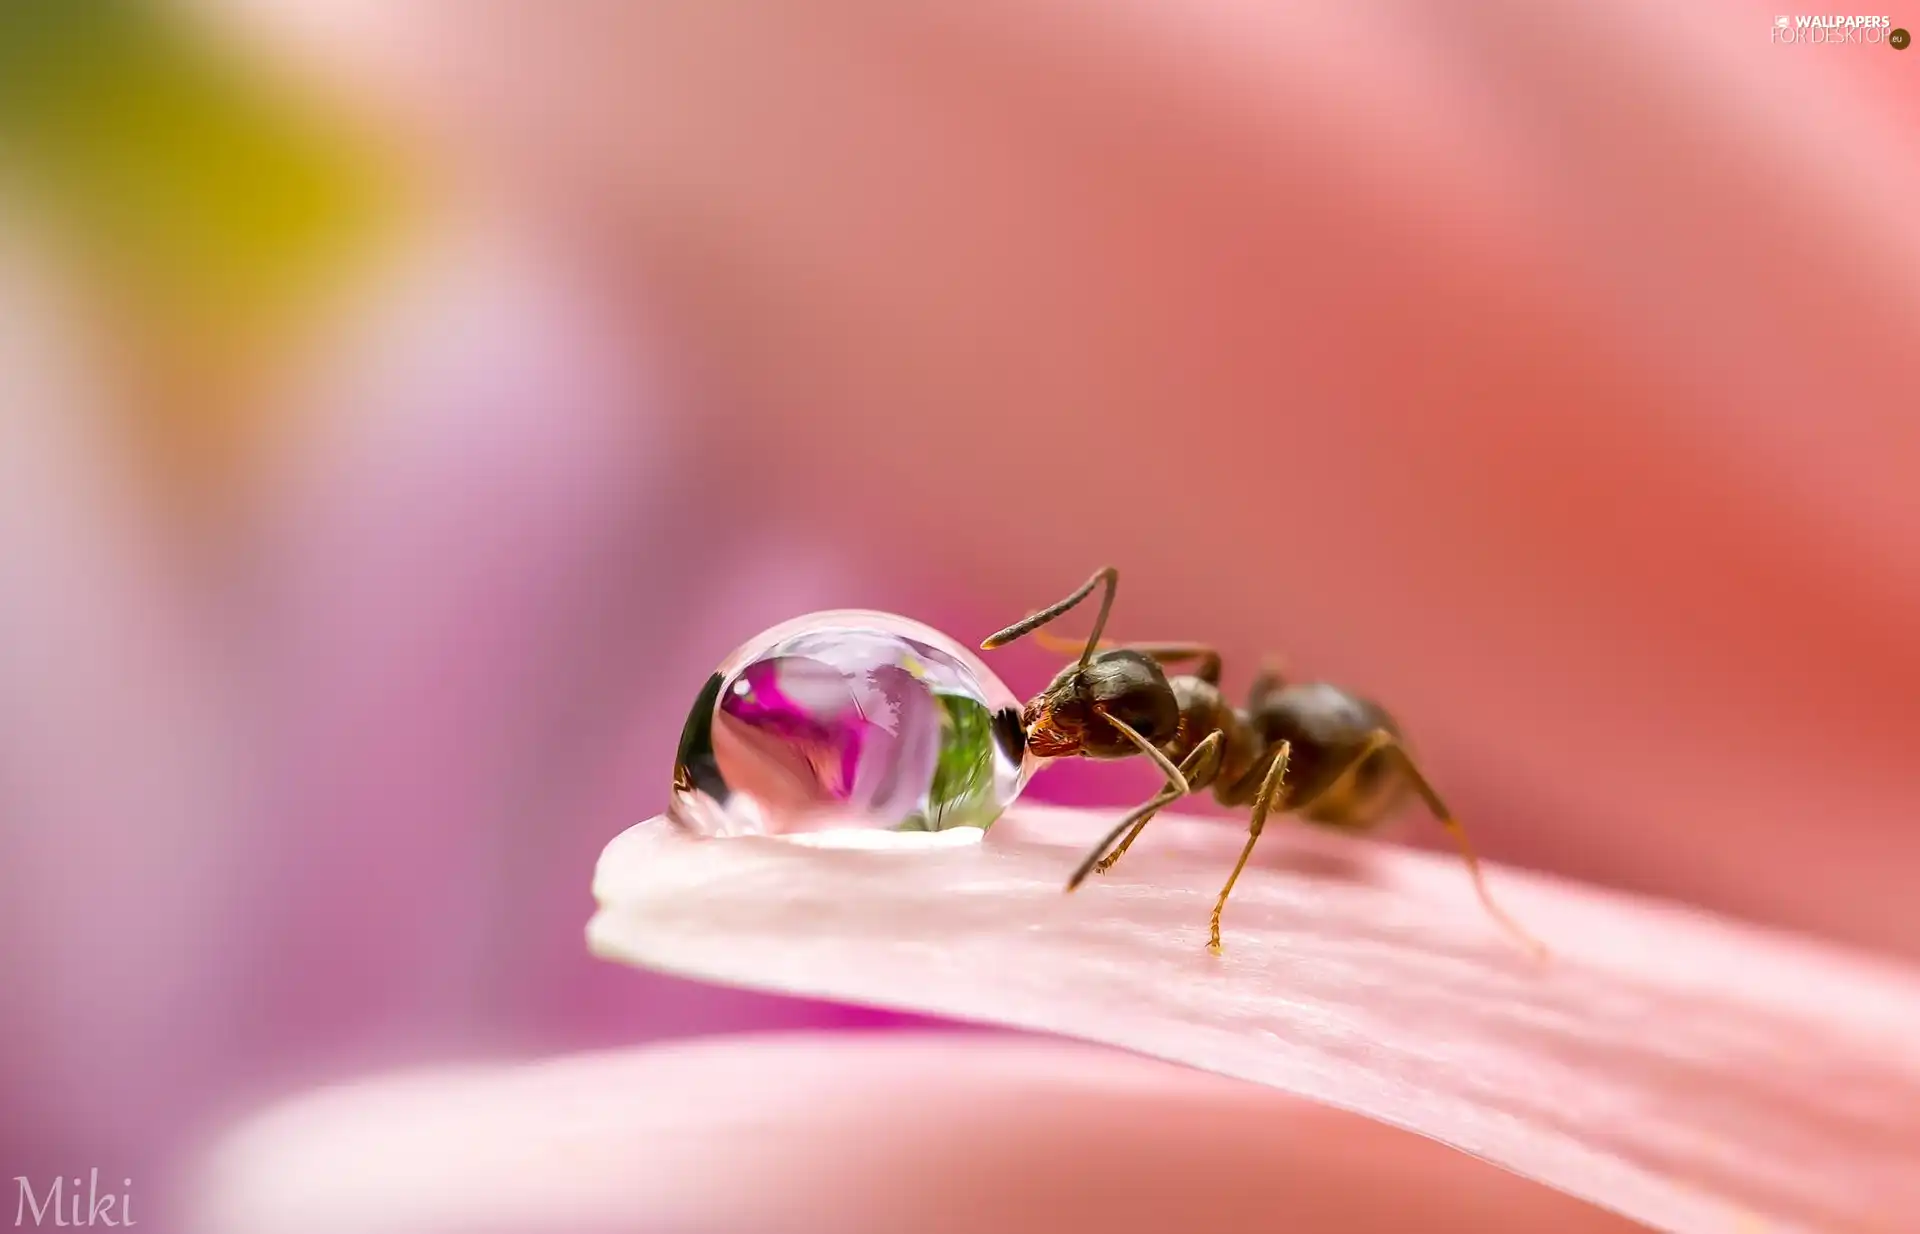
[(1325, 726)]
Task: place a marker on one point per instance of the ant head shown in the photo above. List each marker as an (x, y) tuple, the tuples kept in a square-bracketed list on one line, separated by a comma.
[(1071, 715)]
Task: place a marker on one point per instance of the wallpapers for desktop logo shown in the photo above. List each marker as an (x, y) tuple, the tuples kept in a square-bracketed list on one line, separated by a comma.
[(1834, 31)]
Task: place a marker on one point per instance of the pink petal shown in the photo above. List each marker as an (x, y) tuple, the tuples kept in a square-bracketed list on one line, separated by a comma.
[(853, 1133), (1674, 1067)]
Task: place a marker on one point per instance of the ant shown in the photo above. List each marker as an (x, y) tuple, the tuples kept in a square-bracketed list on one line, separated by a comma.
[(1309, 749)]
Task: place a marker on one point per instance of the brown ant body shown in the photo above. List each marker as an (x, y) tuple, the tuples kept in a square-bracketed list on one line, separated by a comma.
[(1309, 749)]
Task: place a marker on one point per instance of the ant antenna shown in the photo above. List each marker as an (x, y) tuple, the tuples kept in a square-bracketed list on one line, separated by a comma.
[(1108, 575)]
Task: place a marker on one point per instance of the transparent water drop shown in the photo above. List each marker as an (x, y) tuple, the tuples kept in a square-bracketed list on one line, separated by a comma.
[(849, 719)]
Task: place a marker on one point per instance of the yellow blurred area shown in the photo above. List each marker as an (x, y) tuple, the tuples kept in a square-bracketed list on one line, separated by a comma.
[(205, 211)]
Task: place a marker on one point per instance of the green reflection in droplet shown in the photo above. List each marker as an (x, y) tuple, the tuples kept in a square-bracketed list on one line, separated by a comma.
[(962, 791)]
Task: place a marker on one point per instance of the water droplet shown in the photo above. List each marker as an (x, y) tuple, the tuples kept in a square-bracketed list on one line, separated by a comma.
[(849, 719)]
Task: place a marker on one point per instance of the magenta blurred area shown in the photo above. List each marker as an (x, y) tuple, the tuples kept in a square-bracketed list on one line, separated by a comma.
[(1545, 376)]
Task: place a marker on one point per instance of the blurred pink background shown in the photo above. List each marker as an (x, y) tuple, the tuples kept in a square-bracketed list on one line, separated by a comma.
[(402, 408)]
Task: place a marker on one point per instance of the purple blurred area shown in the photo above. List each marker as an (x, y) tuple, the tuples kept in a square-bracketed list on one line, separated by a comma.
[(403, 410), (321, 789)]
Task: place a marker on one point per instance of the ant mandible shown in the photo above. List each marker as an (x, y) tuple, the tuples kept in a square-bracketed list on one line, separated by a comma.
[(1309, 749)]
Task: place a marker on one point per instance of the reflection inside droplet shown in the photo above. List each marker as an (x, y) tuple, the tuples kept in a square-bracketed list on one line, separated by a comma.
[(849, 720)]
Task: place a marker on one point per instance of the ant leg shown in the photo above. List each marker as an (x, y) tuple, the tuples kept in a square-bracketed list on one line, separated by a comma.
[(1262, 804), (1200, 775), (1381, 740), (1162, 653), (1272, 676), (1459, 834), (1106, 574), (1192, 765)]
